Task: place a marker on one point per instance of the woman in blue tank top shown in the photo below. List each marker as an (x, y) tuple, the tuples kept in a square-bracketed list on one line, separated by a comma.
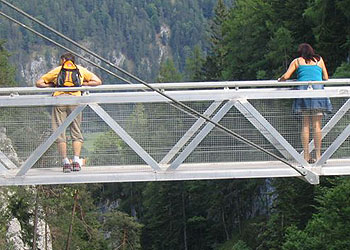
[(309, 67)]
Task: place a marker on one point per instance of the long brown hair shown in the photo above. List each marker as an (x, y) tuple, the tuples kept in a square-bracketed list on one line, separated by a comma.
[(307, 52)]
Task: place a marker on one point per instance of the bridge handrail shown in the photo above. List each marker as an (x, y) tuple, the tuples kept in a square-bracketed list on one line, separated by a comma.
[(178, 85)]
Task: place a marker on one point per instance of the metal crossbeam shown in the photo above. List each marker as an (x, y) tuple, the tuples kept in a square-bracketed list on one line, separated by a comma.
[(125, 136), (187, 136), (5, 160), (269, 132), (205, 131), (334, 146)]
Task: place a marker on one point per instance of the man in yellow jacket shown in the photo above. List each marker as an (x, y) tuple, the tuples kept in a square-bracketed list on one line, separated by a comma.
[(60, 113)]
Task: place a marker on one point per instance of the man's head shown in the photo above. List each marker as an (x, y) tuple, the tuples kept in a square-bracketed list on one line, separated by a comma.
[(67, 57)]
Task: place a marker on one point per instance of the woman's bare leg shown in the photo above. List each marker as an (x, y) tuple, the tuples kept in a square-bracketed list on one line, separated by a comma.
[(316, 126), (305, 136)]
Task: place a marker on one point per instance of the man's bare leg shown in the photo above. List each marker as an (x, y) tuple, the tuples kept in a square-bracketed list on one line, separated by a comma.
[(77, 147), (62, 149), (76, 160)]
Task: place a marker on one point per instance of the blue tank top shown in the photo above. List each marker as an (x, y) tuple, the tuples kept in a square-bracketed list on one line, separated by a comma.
[(310, 73)]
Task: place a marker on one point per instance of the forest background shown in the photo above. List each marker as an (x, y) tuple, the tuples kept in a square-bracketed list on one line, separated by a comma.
[(164, 41)]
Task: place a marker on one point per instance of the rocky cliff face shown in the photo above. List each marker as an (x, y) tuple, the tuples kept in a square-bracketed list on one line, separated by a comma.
[(14, 235), (7, 148), (43, 59)]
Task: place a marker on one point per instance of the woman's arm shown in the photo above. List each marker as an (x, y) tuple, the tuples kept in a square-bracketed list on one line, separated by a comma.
[(290, 71), (324, 70)]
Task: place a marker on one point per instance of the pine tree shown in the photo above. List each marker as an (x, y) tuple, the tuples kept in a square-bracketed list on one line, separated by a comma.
[(331, 21), (214, 61), (194, 65), (168, 72), (329, 227), (7, 72)]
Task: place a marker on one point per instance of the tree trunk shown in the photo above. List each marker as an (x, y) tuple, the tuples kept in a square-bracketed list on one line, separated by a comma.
[(184, 218), (224, 223), (46, 228), (125, 237), (35, 218), (72, 220)]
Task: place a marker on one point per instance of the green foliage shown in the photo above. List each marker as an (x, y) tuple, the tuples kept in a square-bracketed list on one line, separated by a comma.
[(240, 245), (112, 27), (329, 227), (283, 215), (108, 143), (343, 71), (196, 214), (168, 72), (280, 50), (246, 34), (164, 228), (194, 65), (123, 231), (20, 206), (215, 60), (331, 29), (57, 203), (7, 71)]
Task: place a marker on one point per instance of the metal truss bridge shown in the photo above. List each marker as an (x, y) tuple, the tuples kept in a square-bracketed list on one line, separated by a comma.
[(132, 134)]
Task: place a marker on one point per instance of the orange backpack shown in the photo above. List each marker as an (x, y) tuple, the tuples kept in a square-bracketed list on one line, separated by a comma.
[(69, 75)]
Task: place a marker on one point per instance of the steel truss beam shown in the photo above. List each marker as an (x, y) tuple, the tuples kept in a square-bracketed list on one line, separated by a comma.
[(177, 169)]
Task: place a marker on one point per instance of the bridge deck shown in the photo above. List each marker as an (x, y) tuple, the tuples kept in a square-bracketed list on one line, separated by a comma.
[(198, 171)]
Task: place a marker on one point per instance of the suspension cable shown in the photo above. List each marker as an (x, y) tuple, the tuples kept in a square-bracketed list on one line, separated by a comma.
[(180, 105)]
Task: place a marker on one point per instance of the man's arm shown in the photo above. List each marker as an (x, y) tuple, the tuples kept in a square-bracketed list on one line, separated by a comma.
[(94, 81), (42, 84)]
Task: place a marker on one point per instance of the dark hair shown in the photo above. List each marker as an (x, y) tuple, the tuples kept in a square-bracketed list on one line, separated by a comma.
[(307, 52), (68, 57)]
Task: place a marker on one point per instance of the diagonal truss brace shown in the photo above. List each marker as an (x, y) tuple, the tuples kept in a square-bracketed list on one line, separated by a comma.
[(192, 130), (268, 131), (334, 146), (125, 136), (332, 122), (6, 161), (261, 124), (200, 136), (2, 169), (276, 139), (39, 151)]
